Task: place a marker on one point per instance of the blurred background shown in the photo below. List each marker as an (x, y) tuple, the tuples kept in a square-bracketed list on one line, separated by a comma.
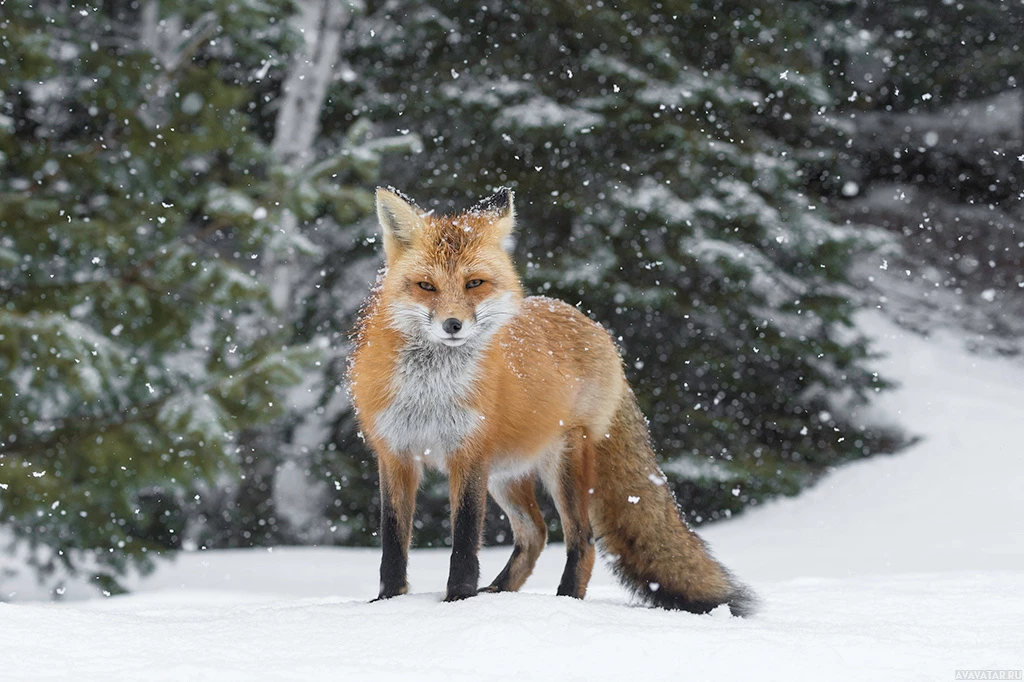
[(187, 233)]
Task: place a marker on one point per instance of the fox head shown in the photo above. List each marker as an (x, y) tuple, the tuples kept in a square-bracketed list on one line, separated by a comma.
[(450, 280)]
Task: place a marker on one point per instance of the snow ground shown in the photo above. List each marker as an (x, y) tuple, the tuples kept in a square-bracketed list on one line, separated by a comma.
[(900, 568)]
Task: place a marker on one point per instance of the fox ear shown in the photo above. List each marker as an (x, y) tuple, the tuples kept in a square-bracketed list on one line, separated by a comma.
[(399, 219), (500, 208)]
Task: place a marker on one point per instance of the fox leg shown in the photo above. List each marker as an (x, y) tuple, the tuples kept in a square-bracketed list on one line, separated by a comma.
[(518, 499), (399, 479), (570, 480), (467, 489)]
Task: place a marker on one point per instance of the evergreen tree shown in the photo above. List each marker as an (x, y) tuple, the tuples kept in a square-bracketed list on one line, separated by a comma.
[(919, 54), (137, 203), (932, 95), (332, 170), (658, 153)]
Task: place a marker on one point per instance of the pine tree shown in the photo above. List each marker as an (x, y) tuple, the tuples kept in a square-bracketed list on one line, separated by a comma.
[(932, 95), (137, 204), (919, 55), (331, 173), (658, 153)]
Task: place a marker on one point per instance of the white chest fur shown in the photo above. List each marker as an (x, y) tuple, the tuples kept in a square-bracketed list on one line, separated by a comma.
[(428, 417)]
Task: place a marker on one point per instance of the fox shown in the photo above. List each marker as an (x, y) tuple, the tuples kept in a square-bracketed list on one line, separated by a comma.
[(454, 368)]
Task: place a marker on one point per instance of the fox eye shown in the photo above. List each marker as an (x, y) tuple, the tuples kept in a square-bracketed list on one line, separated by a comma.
[(426, 286), (474, 283)]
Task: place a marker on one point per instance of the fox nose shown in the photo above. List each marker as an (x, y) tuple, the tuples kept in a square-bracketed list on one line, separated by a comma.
[(451, 325)]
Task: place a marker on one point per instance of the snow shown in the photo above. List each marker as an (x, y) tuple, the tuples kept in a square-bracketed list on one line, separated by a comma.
[(969, 410), (541, 112), (907, 567)]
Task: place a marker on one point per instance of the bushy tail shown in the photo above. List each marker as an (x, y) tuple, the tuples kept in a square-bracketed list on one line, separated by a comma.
[(638, 525)]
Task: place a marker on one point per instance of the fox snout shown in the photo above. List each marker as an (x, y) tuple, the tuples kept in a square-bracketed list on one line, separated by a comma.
[(453, 330), (451, 326)]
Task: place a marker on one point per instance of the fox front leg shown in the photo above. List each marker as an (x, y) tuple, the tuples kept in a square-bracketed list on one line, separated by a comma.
[(467, 484), (399, 479)]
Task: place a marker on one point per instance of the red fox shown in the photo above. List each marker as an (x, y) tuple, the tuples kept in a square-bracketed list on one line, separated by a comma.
[(456, 369)]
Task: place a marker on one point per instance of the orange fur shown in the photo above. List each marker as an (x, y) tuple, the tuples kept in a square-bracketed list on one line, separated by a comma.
[(538, 391)]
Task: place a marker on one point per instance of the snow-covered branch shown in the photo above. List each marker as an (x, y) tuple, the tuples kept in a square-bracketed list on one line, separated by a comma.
[(171, 44)]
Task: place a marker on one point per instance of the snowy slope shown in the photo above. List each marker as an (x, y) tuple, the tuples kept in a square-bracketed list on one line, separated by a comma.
[(955, 501), (900, 568)]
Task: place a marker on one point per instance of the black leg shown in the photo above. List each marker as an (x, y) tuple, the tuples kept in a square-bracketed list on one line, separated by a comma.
[(468, 498), (570, 487), (399, 478), (503, 582), (579, 563), (518, 500), (394, 559)]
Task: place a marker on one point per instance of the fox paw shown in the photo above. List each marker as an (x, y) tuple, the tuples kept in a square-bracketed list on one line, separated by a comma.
[(389, 593), (459, 592)]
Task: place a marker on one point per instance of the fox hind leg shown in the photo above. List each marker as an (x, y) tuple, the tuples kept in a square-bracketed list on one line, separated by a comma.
[(570, 480), (518, 499)]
